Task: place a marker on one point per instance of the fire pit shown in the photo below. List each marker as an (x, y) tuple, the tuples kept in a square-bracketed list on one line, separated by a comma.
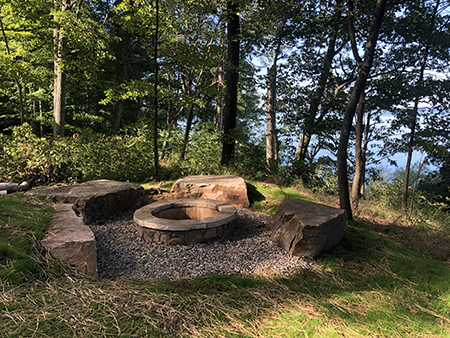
[(185, 221)]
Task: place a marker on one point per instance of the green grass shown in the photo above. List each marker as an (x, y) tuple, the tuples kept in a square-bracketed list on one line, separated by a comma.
[(266, 197), (370, 285), (23, 222)]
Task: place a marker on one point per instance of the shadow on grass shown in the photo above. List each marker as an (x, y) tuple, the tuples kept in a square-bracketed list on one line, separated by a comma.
[(253, 194), (432, 242), (368, 283)]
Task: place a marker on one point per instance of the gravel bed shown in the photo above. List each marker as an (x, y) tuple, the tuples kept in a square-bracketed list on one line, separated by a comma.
[(248, 251)]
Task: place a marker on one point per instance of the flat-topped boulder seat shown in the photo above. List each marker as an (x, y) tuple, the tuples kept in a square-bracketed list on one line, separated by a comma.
[(306, 229), (227, 188), (185, 221), (95, 200), (71, 241)]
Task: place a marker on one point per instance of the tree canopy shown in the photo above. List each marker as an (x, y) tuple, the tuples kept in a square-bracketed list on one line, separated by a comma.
[(241, 78)]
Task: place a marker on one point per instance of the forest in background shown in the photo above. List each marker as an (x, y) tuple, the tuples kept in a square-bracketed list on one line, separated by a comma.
[(144, 90)]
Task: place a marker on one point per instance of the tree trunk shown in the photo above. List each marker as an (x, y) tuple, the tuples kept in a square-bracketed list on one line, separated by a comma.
[(271, 127), (218, 118), (414, 116), (364, 157), (155, 95), (232, 77), (357, 179), (360, 84), (308, 130), (123, 77), (189, 118), (16, 77), (59, 80)]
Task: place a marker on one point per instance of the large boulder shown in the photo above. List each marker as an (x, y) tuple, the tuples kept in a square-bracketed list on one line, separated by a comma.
[(226, 188), (305, 228), (71, 241), (95, 200)]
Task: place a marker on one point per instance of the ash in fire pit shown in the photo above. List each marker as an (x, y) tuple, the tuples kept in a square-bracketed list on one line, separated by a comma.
[(185, 221)]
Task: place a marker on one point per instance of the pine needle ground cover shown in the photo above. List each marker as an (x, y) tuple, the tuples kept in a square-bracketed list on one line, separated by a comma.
[(368, 285)]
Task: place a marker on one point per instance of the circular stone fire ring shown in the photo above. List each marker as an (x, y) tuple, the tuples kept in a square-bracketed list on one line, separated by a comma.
[(185, 221)]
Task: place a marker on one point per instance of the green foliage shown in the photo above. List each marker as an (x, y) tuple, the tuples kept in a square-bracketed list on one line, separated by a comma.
[(23, 222), (386, 191), (81, 158)]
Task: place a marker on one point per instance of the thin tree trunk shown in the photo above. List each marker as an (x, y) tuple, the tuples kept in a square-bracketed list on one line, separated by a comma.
[(123, 77), (364, 157), (16, 76), (414, 116), (189, 118), (375, 25), (218, 118), (155, 116), (308, 130), (232, 77), (59, 80), (271, 126), (359, 161), (41, 126), (418, 176)]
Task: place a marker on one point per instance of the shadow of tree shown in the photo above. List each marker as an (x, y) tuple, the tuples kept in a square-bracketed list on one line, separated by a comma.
[(432, 242)]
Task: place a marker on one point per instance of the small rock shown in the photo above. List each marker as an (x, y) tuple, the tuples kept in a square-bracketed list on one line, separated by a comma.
[(9, 187)]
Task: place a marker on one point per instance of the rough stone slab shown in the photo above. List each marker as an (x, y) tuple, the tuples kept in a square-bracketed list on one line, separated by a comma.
[(95, 200), (307, 229), (71, 241), (227, 188)]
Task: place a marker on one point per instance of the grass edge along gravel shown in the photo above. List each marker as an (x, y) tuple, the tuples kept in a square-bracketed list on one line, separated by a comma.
[(368, 285)]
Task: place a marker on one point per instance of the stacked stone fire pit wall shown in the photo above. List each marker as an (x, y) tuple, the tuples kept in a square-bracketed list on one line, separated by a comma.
[(185, 221)]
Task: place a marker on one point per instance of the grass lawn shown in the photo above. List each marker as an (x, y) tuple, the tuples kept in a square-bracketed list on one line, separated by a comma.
[(370, 285)]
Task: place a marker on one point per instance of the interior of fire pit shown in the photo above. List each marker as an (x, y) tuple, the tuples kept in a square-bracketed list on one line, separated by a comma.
[(185, 221), (180, 212)]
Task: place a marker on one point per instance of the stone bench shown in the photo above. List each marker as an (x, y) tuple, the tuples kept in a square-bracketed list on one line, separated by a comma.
[(306, 229), (95, 200), (226, 188), (71, 241)]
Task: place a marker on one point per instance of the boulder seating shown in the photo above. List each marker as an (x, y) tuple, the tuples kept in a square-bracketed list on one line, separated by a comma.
[(226, 188), (95, 200), (306, 229), (69, 239)]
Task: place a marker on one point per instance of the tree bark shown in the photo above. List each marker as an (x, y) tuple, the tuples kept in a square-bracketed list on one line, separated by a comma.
[(218, 117), (60, 79), (16, 78), (232, 77), (364, 157), (155, 96), (271, 126), (189, 118), (359, 160), (123, 77), (414, 116), (375, 25)]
